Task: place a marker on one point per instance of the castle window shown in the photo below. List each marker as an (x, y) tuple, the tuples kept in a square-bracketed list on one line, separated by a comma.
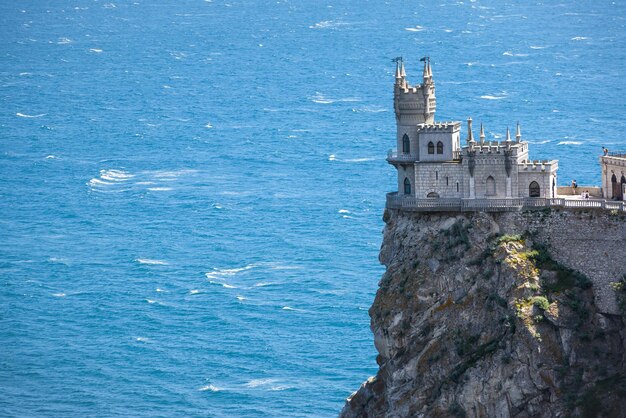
[(491, 187), (432, 195), (406, 144), (431, 148), (457, 186), (439, 147), (447, 182), (436, 175), (534, 190), (407, 186)]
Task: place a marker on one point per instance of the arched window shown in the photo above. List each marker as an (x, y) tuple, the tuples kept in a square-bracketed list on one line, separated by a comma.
[(432, 195), (431, 148), (534, 190), (615, 186), (491, 187), (406, 144), (439, 147), (407, 186)]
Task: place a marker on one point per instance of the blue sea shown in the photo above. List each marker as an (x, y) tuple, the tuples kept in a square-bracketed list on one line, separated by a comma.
[(191, 192)]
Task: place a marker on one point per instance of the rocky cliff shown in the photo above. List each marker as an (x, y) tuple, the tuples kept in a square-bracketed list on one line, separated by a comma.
[(513, 314)]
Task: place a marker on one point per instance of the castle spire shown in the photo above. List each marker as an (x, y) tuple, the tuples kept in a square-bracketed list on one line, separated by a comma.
[(398, 70), (402, 73), (508, 134), (470, 135), (518, 134), (482, 134), (425, 68), (430, 70)]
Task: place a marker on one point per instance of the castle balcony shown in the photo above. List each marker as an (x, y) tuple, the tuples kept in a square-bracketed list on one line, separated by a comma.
[(394, 157), (410, 203), (618, 154)]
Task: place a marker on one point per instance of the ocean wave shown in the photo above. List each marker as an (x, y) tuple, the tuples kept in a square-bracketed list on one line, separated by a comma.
[(545, 141), (24, 115), (59, 295), (160, 189), (115, 175), (579, 38), (417, 28), (537, 47), (489, 97), (63, 41), (320, 98), (224, 285), (267, 384), (152, 262), (96, 50), (210, 388), (241, 298), (332, 157), (264, 284), (344, 211), (370, 109), (570, 143), (194, 291), (328, 24), (511, 54), (51, 157)]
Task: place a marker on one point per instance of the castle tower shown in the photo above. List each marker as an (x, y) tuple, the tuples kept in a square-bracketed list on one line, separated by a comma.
[(413, 105)]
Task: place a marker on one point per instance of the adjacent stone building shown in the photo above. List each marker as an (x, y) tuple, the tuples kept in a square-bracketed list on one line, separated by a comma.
[(614, 175), (432, 164)]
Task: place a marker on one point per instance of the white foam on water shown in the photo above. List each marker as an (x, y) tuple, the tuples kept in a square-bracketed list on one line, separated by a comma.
[(141, 339), (288, 308), (209, 388), (160, 189), (511, 54), (224, 285), (570, 143), (63, 41), (487, 97), (59, 295), (51, 157), (263, 284), (241, 298), (344, 211), (254, 383), (158, 289), (150, 301), (537, 47), (346, 216), (115, 175), (332, 157), (96, 50), (194, 291), (579, 38), (545, 141), (208, 125), (415, 29), (151, 262), (448, 30), (24, 115), (328, 24)]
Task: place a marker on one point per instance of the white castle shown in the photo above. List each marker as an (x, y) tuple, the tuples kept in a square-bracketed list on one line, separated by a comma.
[(432, 164)]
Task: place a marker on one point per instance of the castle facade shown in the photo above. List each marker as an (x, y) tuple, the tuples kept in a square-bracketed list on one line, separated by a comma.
[(432, 163)]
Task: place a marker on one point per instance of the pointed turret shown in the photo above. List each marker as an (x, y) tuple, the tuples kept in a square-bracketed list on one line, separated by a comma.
[(430, 70), (425, 76), (482, 134), (398, 76), (518, 134), (508, 134), (470, 135)]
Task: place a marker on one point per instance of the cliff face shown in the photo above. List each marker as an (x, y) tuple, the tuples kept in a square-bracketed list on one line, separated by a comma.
[(498, 315)]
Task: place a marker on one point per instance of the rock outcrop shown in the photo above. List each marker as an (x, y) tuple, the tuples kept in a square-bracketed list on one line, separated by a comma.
[(509, 314)]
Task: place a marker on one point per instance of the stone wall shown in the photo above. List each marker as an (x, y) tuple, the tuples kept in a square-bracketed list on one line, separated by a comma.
[(590, 241)]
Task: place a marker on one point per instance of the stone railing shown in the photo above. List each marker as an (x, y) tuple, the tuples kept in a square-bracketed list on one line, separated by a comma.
[(400, 156), (617, 154), (395, 201)]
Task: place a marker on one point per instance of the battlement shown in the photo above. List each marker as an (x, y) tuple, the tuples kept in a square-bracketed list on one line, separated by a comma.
[(446, 127), (536, 165)]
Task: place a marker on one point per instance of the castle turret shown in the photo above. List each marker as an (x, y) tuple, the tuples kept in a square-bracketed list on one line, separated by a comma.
[(518, 134), (482, 134)]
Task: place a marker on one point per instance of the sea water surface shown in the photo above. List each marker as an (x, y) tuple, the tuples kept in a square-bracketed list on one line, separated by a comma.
[(191, 192)]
